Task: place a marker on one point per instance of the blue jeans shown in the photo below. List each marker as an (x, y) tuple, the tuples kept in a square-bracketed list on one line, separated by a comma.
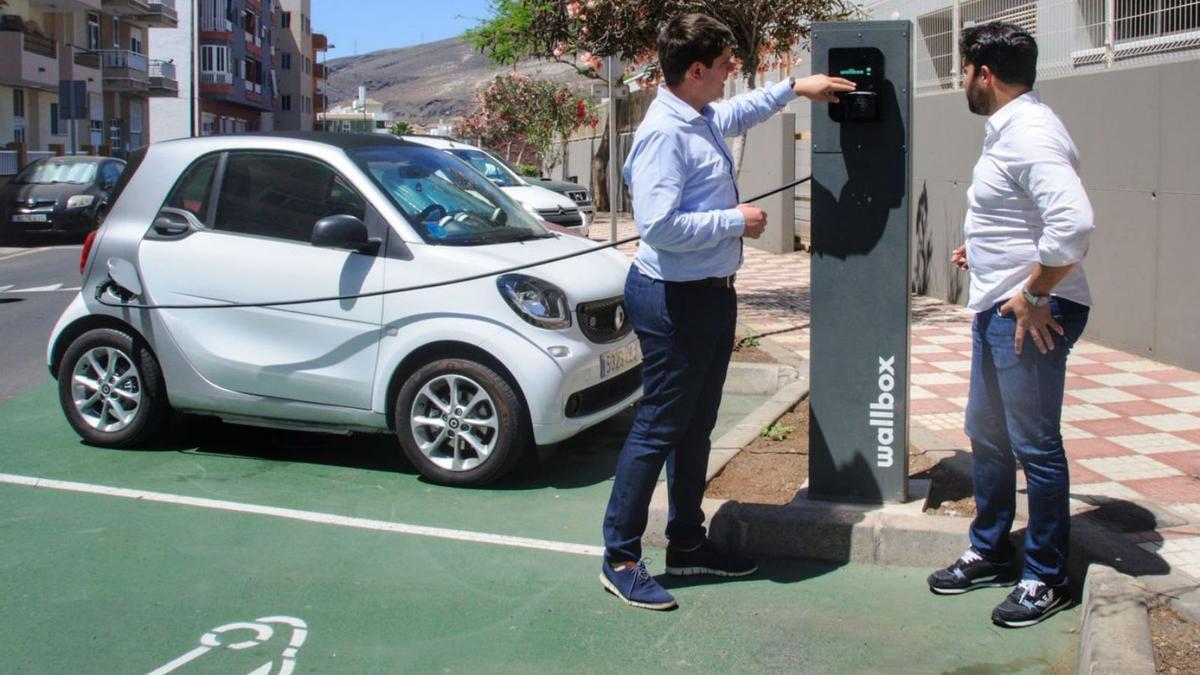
[(1013, 414), (686, 334)]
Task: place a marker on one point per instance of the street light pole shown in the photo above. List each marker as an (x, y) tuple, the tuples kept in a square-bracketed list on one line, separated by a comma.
[(613, 173)]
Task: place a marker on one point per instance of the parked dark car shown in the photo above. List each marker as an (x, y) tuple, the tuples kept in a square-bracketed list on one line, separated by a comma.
[(57, 196)]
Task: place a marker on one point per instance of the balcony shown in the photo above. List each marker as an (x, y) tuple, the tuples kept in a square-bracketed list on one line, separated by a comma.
[(153, 13), (163, 82), (320, 42), (125, 71), (216, 77), (319, 71), (28, 60)]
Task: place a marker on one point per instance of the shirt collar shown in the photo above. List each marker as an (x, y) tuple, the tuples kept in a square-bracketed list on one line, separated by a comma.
[(680, 107), (1001, 117)]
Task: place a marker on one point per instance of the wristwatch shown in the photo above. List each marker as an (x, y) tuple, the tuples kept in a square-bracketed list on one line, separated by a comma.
[(792, 82), (1035, 300)]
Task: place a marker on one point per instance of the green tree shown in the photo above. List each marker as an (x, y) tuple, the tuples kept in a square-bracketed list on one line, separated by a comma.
[(582, 32), (530, 113), (400, 128)]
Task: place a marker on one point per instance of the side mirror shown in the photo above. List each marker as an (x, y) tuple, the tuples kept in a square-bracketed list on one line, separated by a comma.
[(343, 231)]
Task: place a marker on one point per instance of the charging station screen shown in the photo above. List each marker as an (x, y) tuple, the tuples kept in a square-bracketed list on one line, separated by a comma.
[(864, 67)]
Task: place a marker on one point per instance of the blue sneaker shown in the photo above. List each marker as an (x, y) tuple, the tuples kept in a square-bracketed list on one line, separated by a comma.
[(635, 587)]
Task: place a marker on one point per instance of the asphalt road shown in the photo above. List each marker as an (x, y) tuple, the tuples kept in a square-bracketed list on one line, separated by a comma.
[(36, 284)]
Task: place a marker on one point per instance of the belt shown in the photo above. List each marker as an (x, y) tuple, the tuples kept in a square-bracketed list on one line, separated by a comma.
[(709, 282)]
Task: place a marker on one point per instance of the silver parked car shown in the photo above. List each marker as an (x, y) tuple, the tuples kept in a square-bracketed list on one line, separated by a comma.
[(253, 277)]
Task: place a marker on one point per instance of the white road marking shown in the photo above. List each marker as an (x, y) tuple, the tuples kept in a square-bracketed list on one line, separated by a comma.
[(18, 254), (307, 516), (263, 632), (5, 287), (52, 288)]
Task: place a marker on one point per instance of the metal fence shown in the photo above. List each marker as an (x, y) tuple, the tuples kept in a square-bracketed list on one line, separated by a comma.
[(1074, 36)]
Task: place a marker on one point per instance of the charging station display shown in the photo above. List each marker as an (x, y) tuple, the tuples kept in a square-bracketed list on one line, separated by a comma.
[(864, 67)]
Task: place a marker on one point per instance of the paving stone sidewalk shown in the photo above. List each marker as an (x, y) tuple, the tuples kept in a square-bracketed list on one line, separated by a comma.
[(1131, 425)]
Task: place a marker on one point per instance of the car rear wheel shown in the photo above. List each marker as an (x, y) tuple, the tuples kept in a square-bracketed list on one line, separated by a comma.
[(460, 422), (111, 389)]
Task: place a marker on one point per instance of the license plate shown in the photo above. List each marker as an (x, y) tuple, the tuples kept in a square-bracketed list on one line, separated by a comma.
[(29, 218), (620, 360)]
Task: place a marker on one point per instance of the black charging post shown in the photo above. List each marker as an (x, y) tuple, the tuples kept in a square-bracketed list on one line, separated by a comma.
[(858, 434)]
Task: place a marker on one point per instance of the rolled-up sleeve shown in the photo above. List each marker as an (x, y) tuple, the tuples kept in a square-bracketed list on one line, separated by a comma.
[(734, 116), (656, 172), (1048, 175)]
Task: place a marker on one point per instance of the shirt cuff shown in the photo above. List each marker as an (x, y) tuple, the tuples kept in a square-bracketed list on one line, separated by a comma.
[(1052, 255), (735, 222), (782, 93)]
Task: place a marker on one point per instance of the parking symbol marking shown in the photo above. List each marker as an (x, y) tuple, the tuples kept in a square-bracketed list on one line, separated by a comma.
[(263, 631)]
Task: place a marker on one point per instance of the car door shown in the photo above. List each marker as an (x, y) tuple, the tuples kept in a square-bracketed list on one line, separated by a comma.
[(256, 212)]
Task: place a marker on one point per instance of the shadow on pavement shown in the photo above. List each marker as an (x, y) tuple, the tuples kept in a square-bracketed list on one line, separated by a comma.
[(777, 570), (584, 460)]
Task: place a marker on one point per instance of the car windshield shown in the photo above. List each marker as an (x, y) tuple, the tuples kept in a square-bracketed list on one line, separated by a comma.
[(487, 165), (447, 201), (58, 171)]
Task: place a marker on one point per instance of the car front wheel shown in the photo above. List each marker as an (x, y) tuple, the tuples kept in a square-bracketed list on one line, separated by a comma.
[(460, 422), (111, 389)]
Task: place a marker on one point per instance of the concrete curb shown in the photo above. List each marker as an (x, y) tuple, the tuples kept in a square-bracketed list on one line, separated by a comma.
[(1114, 637), (898, 534)]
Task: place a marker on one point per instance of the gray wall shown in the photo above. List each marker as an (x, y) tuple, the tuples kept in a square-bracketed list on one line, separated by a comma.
[(1140, 154)]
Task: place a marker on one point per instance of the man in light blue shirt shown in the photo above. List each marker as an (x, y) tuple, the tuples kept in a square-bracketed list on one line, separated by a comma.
[(679, 297)]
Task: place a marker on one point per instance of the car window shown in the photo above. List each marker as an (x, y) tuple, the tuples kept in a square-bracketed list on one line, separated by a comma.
[(488, 166), (281, 196), (191, 193), (111, 173), (58, 171), (444, 199)]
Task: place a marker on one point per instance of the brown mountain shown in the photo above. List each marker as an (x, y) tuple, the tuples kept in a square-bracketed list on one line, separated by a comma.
[(428, 82)]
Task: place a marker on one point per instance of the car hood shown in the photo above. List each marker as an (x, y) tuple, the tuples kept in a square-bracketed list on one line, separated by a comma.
[(59, 192), (539, 197), (558, 185), (587, 277)]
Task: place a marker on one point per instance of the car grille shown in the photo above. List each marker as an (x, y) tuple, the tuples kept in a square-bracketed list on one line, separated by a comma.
[(604, 320), (38, 204), (564, 217), (600, 396)]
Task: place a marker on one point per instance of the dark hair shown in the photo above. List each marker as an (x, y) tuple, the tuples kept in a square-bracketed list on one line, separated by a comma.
[(1007, 50), (689, 38)]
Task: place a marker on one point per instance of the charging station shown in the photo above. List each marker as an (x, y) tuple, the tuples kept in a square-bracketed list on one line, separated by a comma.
[(861, 304)]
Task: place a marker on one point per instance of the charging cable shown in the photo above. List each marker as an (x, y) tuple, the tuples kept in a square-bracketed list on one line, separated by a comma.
[(123, 293)]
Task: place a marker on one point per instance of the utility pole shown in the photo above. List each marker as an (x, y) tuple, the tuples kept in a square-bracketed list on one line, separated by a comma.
[(611, 64)]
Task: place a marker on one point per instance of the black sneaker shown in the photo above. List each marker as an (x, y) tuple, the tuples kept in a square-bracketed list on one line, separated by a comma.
[(708, 559), (1031, 602), (972, 571)]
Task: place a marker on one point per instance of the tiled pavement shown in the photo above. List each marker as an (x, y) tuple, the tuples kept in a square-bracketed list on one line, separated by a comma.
[(1131, 425)]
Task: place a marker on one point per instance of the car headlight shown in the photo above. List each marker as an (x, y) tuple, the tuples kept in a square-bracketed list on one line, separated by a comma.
[(538, 302), (80, 201), (529, 207)]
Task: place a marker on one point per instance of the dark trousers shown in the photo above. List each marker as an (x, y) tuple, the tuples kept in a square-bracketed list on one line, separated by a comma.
[(1014, 412), (686, 335)]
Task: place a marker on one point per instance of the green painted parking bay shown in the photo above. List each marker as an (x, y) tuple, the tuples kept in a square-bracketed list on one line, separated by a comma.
[(133, 581), (114, 585)]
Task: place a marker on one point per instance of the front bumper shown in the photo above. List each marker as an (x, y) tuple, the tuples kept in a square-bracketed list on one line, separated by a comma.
[(566, 394), (73, 221)]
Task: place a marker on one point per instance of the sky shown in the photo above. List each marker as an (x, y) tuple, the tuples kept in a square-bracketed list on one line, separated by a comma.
[(371, 25)]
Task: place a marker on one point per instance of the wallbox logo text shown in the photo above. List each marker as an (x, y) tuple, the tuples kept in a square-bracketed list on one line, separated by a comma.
[(883, 415)]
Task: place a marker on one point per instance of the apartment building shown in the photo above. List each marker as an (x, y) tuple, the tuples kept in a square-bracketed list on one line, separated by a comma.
[(101, 43), (297, 77), (320, 45), (237, 77)]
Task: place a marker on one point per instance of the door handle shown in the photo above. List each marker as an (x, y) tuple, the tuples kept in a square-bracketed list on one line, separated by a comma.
[(170, 225)]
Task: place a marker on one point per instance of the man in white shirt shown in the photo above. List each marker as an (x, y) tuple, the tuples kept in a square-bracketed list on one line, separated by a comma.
[(1027, 228)]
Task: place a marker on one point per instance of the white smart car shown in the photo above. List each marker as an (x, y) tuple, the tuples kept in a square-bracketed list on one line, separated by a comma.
[(549, 205), (340, 282)]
